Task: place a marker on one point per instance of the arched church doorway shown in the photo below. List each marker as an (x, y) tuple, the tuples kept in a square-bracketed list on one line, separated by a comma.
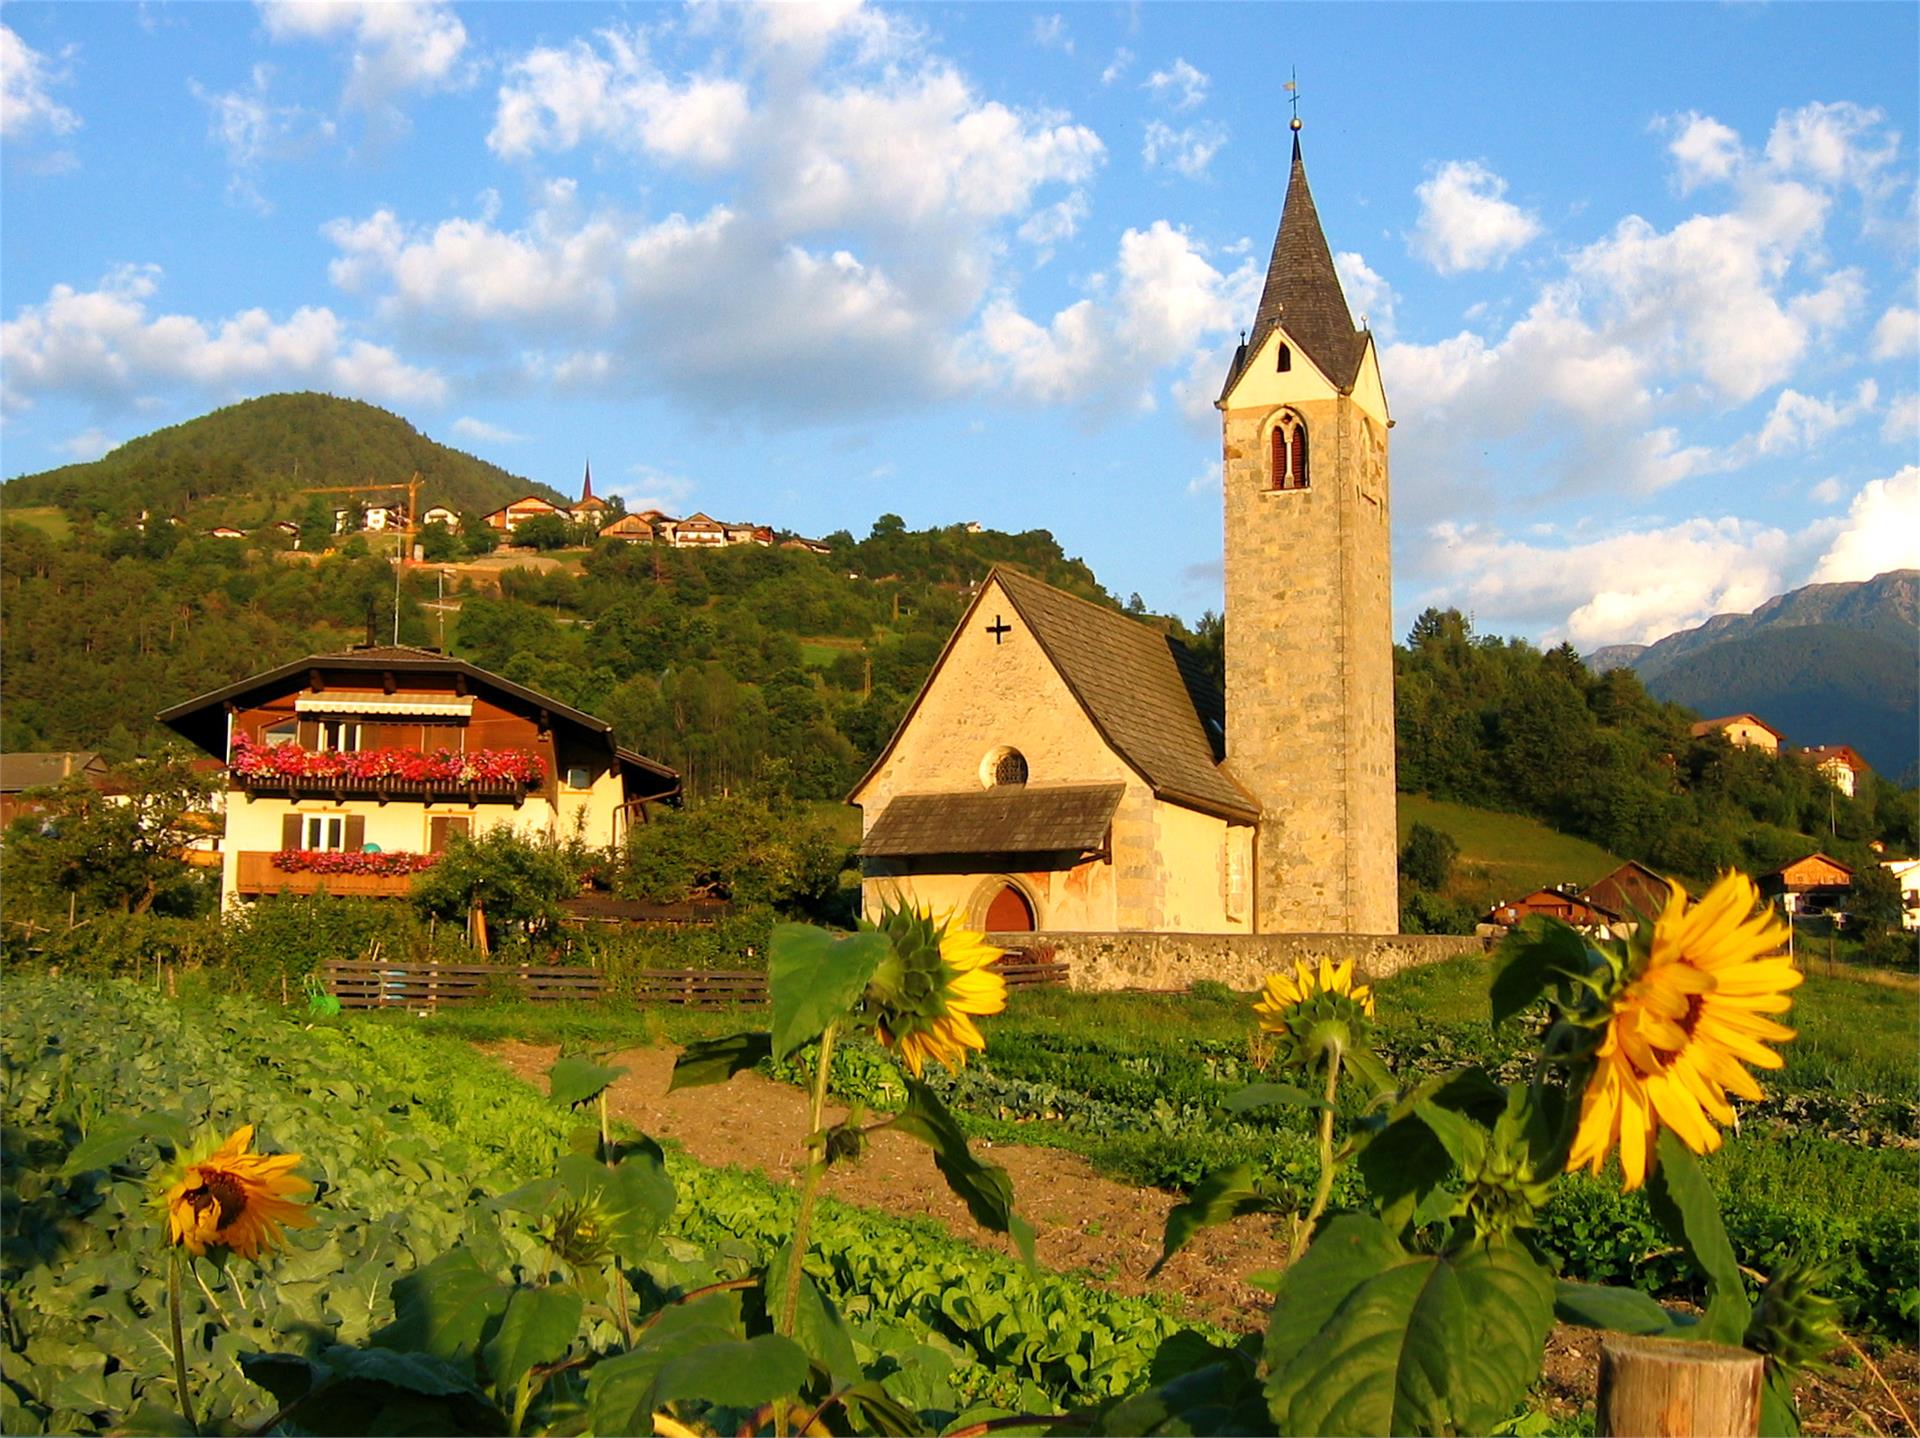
[(1009, 913)]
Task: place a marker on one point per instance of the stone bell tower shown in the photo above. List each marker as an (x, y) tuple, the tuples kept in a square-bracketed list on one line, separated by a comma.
[(1309, 643)]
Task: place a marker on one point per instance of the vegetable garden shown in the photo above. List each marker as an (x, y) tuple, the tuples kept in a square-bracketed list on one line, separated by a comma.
[(484, 1258)]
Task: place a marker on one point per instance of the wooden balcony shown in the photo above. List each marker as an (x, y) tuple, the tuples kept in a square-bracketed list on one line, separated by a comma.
[(257, 875), (421, 791)]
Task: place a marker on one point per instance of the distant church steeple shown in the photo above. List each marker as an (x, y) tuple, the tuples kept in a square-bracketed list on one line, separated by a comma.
[(586, 484)]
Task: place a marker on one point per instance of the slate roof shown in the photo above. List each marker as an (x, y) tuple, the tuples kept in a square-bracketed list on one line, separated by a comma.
[(1303, 292), (1009, 819), (1143, 691), (28, 770)]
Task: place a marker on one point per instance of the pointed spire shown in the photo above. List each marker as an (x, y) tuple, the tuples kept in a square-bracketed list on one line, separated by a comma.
[(1303, 291), (586, 484)]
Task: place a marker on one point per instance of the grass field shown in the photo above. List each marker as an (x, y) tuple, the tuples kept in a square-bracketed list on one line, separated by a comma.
[(1503, 856), (48, 519), (822, 651)]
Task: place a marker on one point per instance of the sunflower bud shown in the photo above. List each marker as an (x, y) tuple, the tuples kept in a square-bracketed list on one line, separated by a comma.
[(923, 994), (1793, 1323)]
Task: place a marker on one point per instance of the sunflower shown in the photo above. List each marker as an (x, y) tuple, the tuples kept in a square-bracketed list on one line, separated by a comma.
[(1690, 1011), (926, 993), (1315, 1012), (234, 1198)]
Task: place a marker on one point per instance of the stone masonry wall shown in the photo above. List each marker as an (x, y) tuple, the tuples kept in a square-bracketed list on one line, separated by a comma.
[(1106, 962)]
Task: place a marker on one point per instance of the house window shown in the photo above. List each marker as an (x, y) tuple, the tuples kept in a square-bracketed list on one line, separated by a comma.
[(339, 735), (442, 827), (579, 777), (323, 831), (287, 731), (1004, 766), (1284, 362), (1289, 467)]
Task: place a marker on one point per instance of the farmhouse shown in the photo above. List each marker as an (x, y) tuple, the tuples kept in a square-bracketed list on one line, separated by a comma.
[(1839, 764), (1068, 768), (1807, 885), (510, 517), (632, 528), (23, 771), (1745, 731), (1632, 889), (1574, 909), (388, 751)]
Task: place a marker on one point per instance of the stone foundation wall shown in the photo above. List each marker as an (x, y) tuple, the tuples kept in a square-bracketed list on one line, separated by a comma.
[(1240, 961)]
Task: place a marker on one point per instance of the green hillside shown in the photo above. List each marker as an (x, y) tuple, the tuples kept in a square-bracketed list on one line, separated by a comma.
[(240, 464), (1503, 856), (1817, 683)]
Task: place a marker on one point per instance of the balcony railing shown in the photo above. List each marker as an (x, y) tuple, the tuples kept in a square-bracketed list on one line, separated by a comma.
[(257, 874), (384, 774)]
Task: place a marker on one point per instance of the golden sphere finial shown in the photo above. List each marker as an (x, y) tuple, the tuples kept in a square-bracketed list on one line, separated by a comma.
[(1294, 124)]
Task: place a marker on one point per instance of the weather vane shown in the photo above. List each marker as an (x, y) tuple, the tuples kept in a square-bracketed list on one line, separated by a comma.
[(1293, 94)]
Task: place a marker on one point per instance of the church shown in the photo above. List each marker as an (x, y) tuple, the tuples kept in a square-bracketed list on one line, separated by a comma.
[(1068, 769)]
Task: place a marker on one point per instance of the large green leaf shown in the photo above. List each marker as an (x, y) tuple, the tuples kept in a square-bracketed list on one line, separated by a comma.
[(733, 1373), (1623, 1310), (814, 976), (111, 1140), (1399, 1154), (1368, 1338), (441, 1308), (1779, 1418), (1536, 954), (1683, 1204), (818, 1326), (538, 1327), (983, 1187), (1224, 1194), (1267, 1095), (620, 1389), (717, 1060), (1464, 1140), (573, 1080)]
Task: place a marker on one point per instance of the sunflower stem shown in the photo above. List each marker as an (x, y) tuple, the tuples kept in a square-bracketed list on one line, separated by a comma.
[(619, 1274), (1303, 1230), (179, 1342), (810, 1184)]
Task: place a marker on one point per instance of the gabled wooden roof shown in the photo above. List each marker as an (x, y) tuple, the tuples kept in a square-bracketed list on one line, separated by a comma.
[(1144, 693), (1007, 819)]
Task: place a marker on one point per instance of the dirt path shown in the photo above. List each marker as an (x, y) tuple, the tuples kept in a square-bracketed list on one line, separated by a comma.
[(1088, 1225)]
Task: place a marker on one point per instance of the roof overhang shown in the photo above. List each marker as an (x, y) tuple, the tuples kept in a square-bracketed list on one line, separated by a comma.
[(1009, 819)]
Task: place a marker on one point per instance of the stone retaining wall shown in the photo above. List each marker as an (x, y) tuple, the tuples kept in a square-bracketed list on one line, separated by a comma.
[(1240, 961)]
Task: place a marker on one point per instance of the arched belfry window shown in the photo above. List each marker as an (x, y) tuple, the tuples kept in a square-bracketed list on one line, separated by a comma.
[(1003, 765), (1289, 466), (1284, 362)]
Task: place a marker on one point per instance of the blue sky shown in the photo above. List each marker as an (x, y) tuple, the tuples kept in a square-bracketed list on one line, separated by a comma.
[(1643, 275)]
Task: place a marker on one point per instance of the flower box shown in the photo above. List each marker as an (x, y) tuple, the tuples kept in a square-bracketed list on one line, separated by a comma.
[(397, 771)]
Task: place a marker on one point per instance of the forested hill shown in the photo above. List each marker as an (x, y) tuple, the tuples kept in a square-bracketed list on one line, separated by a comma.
[(242, 465)]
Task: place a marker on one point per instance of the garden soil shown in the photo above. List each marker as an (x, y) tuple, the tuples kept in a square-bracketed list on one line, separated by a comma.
[(1088, 1225)]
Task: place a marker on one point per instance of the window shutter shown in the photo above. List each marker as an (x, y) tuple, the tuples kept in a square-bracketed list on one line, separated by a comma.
[(442, 828), (309, 734), (1277, 466), (356, 832), (290, 832), (1297, 478)]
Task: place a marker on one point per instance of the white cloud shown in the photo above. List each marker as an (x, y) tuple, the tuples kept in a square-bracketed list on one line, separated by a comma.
[(1370, 295), (556, 99), (1881, 531), (87, 445), (1169, 306), (1902, 424), (1827, 491), (1464, 223), (1835, 144), (1799, 421), (25, 104), (1057, 222), (1050, 33), (1118, 66), (481, 432), (1629, 586), (106, 345), (253, 131), (1188, 150), (398, 46), (652, 488), (1897, 335), (1704, 150), (1179, 85)]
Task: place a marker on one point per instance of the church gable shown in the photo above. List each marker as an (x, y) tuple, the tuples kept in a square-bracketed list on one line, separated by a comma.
[(993, 705)]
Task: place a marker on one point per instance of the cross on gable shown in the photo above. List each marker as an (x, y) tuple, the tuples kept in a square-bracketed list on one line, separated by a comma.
[(999, 628)]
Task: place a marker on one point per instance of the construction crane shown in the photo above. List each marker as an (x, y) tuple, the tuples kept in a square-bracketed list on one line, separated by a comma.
[(412, 487)]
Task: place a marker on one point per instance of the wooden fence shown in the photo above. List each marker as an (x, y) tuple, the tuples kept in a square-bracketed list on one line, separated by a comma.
[(363, 984)]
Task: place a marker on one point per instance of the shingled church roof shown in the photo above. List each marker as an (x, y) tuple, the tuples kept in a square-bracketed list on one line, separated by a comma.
[(1303, 292)]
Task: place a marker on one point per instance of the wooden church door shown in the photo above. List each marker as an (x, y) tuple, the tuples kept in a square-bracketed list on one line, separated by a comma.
[(1009, 913)]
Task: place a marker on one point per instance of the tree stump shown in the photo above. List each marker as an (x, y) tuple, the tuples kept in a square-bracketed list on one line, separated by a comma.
[(1668, 1388)]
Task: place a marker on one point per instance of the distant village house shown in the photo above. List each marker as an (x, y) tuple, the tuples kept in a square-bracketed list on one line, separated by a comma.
[(1746, 731), (1839, 763)]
